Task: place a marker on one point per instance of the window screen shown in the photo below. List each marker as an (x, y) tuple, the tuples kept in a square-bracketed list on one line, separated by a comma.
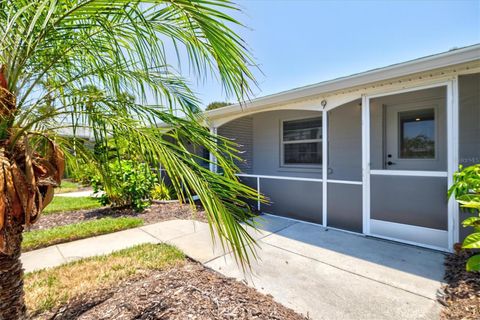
[(302, 142)]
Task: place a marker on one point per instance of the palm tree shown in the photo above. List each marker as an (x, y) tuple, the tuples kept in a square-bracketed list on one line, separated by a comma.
[(67, 66)]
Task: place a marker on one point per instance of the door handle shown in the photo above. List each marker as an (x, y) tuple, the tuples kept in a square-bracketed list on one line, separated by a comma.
[(390, 163)]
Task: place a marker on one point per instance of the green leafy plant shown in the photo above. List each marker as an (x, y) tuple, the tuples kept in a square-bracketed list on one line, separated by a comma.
[(162, 192), (131, 184), (466, 189), (68, 70)]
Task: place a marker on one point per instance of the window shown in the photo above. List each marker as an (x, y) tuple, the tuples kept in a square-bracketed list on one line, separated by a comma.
[(302, 142), (417, 134)]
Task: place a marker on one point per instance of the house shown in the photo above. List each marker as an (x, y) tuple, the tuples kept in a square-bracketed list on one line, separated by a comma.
[(372, 153)]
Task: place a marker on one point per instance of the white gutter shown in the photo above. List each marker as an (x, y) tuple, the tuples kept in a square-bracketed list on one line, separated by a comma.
[(436, 61)]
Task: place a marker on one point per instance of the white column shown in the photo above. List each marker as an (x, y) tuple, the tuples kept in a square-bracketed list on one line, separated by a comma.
[(366, 163), (452, 151), (324, 166), (213, 159)]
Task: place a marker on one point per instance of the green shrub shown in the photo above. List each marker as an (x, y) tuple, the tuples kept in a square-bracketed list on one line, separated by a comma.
[(162, 192), (129, 184), (466, 189)]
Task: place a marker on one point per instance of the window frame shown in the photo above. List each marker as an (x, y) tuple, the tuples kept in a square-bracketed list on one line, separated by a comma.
[(282, 144)]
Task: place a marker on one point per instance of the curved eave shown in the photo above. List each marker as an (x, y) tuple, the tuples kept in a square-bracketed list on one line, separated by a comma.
[(432, 62)]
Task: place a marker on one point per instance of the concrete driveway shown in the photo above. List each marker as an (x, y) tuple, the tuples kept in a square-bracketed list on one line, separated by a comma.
[(328, 274)]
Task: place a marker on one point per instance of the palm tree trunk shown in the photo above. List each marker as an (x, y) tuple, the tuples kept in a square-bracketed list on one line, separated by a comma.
[(12, 304)]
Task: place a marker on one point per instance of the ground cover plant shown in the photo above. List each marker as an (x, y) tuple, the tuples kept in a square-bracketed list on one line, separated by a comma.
[(43, 238), (63, 204), (100, 67)]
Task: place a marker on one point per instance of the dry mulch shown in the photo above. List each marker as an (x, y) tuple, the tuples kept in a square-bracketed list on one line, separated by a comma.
[(462, 292), (188, 292), (156, 213)]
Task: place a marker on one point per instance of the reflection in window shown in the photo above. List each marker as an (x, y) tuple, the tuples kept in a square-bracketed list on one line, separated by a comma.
[(417, 134), (302, 141)]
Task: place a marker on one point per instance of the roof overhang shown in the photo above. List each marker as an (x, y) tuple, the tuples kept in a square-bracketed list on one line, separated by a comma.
[(437, 61)]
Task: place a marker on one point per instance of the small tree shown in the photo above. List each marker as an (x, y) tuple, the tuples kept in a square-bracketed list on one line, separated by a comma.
[(466, 189), (68, 66), (216, 105)]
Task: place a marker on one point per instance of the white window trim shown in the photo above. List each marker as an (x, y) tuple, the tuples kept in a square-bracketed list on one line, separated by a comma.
[(283, 143)]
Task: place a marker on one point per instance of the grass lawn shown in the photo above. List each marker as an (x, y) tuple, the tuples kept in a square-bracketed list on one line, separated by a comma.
[(68, 186), (51, 288), (61, 204), (43, 238)]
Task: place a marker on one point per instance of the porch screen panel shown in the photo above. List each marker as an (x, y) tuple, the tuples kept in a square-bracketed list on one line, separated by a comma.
[(417, 201), (240, 131), (469, 127), (344, 206), (344, 201), (345, 142), (252, 183), (293, 199)]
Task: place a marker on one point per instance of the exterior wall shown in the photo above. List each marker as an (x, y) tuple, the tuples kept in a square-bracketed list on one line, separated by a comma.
[(240, 131), (344, 201)]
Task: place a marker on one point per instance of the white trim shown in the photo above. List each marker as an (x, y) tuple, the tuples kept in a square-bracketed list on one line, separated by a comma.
[(410, 173), (283, 143), (345, 182), (419, 236), (324, 167), (277, 177), (456, 155), (258, 192), (212, 166), (366, 165), (434, 84), (443, 60), (452, 155)]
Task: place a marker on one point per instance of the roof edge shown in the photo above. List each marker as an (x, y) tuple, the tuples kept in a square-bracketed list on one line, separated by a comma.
[(435, 61)]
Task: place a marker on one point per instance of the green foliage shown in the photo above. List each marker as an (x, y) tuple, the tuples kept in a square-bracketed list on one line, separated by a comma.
[(162, 192), (54, 51), (466, 189), (43, 238), (62, 204), (130, 184), (216, 105)]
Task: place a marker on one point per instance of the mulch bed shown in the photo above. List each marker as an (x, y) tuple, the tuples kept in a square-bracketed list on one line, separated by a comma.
[(188, 292), (156, 213), (462, 292)]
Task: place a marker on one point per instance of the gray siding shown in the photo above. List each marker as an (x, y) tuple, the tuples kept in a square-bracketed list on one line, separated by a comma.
[(241, 132)]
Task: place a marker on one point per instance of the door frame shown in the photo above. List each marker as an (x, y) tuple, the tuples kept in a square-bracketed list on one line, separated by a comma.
[(451, 100)]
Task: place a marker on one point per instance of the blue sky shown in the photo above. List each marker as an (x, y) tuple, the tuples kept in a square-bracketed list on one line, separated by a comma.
[(300, 42)]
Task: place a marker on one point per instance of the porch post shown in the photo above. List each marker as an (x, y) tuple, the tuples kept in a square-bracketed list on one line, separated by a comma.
[(453, 162), (366, 164), (213, 160), (324, 167)]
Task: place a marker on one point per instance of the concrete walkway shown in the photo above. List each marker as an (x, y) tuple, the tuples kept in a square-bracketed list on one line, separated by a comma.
[(326, 274)]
